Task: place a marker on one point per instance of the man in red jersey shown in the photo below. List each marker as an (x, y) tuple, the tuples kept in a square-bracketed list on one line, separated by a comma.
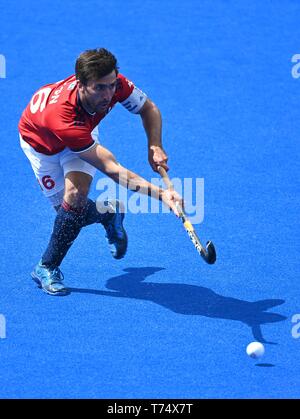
[(58, 133)]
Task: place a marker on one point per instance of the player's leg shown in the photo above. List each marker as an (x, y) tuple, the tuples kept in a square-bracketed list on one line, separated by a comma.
[(77, 211), (49, 175), (70, 218)]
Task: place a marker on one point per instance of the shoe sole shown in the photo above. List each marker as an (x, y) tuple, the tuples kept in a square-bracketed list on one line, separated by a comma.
[(38, 282)]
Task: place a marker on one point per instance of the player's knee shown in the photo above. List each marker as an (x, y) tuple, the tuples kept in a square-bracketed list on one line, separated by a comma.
[(76, 195)]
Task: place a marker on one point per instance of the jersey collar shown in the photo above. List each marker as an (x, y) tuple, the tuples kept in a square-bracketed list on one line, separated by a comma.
[(81, 105)]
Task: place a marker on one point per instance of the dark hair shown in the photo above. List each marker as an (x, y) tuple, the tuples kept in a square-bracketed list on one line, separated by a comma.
[(94, 64)]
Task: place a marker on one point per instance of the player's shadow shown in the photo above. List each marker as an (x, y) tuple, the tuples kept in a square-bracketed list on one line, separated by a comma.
[(190, 299)]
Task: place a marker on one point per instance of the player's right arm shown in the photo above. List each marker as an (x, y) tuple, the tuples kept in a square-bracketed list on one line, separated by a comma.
[(105, 161)]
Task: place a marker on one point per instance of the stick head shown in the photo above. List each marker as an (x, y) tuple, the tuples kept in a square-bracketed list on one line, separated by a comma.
[(210, 254)]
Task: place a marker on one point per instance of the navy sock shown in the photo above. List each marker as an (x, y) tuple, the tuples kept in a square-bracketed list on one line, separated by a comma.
[(67, 225), (92, 215)]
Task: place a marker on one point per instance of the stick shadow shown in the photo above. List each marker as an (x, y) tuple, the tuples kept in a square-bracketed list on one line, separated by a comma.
[(189, 299)]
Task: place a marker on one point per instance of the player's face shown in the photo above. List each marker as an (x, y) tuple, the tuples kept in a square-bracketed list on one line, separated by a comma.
[(96, 95)]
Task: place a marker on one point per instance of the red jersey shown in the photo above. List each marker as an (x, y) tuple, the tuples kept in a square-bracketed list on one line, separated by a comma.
[(55, 119)]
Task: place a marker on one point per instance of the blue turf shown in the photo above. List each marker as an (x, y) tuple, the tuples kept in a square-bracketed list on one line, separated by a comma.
[(161, 323)]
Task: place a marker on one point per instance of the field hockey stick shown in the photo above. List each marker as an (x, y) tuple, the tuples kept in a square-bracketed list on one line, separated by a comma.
[(208, 253)]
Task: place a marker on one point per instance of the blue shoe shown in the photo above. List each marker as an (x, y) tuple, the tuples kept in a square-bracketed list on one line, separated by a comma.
[(115, 233), (50, 280)]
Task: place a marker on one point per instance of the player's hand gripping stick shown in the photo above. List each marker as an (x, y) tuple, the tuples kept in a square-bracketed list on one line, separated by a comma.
[(208, 253)]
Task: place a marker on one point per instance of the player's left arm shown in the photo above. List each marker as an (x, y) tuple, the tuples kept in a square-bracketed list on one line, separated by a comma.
[(152, 122), (104, 160)]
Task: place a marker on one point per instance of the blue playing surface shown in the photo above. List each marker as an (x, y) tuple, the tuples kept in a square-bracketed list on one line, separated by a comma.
[(161, 323)]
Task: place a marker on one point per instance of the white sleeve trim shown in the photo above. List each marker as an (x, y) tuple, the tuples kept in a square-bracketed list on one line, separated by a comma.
[(95, 134), (85, 149), (135, 101)]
